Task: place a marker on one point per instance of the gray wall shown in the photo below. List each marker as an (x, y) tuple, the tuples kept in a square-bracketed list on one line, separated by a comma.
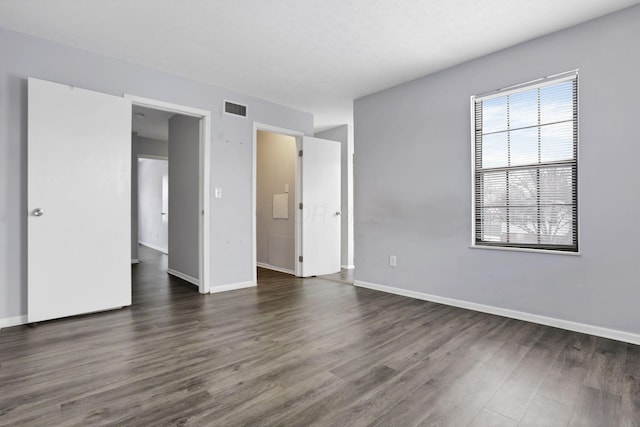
[(344, 135), (150, 147), (145, 147), (184, 147), (275, 167), (231, 158), (152, 225), (413, 182)]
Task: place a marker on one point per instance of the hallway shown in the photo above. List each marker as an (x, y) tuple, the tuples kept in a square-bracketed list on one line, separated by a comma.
[(150, 280)]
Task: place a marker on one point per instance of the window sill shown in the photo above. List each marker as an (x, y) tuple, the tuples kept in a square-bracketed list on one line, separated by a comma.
[(539, 251)]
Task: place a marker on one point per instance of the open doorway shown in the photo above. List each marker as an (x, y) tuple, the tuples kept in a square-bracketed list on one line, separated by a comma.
[(308, 198), (284, 255), (276, 156), (153, 203), (170, 186), (149, 180)]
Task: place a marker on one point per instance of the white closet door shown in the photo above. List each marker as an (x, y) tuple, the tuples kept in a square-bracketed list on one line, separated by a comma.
[(79, 186), (321, 206)]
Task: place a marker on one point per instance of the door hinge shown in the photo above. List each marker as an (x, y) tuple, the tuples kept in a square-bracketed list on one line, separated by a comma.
[(300, 153), (300, 258), (299, 205)]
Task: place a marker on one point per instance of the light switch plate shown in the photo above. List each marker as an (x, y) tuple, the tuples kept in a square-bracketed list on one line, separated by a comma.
[(218, 193)]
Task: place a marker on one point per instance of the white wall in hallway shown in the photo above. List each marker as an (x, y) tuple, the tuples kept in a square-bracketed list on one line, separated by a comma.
[(141, 147), (152, 224)]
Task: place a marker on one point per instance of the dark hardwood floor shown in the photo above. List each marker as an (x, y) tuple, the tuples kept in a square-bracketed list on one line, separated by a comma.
[(344, 276), (306, 352)]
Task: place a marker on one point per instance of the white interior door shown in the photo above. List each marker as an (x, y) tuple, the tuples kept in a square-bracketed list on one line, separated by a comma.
[(165, 211), (79, 201), (320, 195)]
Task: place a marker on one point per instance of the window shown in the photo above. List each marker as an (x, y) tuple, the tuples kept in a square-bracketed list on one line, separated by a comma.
[(525, 166)]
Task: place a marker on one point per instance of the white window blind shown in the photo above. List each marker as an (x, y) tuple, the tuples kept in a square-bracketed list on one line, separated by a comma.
[(525, 166)]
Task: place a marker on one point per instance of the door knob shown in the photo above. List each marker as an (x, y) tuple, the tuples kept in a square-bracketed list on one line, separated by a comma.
[(38, 212), (338, 213)]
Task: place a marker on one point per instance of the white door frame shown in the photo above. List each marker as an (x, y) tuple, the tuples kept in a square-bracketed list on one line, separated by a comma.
[(298, 136), (204, 196)]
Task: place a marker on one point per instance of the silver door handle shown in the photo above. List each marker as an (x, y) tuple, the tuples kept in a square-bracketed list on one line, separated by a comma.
[(38, 212), (338, 213)]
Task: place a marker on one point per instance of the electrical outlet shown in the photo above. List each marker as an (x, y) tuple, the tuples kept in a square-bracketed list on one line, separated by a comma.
[(392, 261)]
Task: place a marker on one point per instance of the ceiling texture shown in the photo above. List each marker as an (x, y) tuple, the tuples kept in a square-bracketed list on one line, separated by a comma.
[(313, 55)]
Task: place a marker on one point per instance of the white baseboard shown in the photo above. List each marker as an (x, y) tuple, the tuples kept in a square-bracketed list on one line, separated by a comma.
[(152, 246), (135, 261), (232, 287), (13, 321), (520, 315), (183, 276), (274, 268), (348, 267)]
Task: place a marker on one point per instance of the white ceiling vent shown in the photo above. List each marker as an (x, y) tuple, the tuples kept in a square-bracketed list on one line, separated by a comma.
[(235, 109)]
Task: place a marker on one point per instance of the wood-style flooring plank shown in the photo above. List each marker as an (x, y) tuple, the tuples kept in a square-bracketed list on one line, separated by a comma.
[(596, 408), (606, 368), (305, 352), (556, 398), (421, 366), (517, 392), (458, 405), (488, 418), (631, 388)]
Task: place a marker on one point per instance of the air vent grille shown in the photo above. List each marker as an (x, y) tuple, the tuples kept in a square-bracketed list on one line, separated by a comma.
[(235, 109)]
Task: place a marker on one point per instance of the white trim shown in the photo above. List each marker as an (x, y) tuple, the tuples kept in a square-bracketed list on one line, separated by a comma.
[(152, 157), (204, 199), (472, 117), (578, 186), (348, 267), (537, 83), (135, 261), (166, 106), (154, 247), (232, 287), (505, 312), (183, 276), (298, 136), (205, 203), (8, 322), (542, 82), (509, 248), (275, 268)]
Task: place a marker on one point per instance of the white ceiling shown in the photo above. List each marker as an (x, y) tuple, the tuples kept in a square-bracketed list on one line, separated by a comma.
[(314, 55)]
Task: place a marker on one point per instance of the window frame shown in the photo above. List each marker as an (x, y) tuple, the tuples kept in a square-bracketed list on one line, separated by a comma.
[(523, 247)]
